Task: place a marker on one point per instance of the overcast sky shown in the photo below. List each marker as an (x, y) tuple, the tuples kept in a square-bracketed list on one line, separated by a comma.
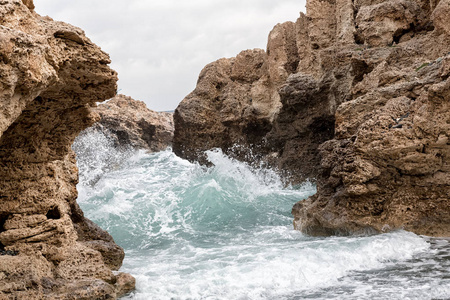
[(159, 47)]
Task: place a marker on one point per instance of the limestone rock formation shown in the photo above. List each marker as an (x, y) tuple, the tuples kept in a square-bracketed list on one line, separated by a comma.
[(387, 166), (50, 76), (236, 99), (233, 101), (358, 101), (129, 123)]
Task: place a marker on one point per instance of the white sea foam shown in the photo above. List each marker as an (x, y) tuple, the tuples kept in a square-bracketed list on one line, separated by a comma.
[(249, 269), (225, 233)]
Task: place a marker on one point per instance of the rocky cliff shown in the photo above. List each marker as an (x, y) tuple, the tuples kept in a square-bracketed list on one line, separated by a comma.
[(388, 165), (130, 124), (236, 99), (50, 76), (359, 100)]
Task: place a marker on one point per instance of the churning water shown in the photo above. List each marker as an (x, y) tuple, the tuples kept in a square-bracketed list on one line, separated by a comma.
[(226, 232)]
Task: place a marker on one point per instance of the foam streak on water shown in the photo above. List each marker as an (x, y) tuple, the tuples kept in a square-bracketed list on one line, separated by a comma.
[(226, 233)]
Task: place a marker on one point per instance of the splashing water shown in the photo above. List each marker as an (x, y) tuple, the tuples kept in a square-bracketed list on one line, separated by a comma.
[(225, 232)]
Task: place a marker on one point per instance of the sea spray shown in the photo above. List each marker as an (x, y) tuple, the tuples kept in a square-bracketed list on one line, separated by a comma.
[(225, 232)]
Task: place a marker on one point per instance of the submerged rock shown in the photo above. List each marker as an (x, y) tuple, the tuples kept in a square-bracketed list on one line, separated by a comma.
[(359, 101), (51, 74)]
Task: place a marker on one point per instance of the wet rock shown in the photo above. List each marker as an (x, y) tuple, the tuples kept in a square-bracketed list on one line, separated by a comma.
[(124, 283)]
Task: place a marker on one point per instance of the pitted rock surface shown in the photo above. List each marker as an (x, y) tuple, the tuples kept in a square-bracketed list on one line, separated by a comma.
[(356, 98), (130, 124), (51, 75)]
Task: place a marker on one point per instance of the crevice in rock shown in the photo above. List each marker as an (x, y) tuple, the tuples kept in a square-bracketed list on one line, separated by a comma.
[(323, 129), (148, 131), (3, 218), (291, 66), (401, 32), (76, 214), (359, 69), (53, 214)]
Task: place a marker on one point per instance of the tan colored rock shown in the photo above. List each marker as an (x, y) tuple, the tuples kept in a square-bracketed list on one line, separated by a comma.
[(380, 172), (130, 124), (50, 76), (308, 58), (322, 23), (383, 23), (388, 166), (124, 283), (29, 4), (365, 114), (440, 16), (236, 99), (345, 24), (282, 52)]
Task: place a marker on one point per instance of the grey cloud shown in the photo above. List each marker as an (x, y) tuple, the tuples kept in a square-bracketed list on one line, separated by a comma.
[(160, 46)]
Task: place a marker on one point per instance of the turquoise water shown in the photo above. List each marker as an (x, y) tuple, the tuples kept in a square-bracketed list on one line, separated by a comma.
[(225, 232)]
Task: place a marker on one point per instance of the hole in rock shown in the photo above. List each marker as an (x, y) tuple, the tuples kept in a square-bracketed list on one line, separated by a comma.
[(53, 213), (220, 85), (358, 38), (359, 69), (123, 137), (400, 32), (3, 218)]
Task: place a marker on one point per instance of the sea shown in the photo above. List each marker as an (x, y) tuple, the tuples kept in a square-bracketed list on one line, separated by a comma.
[(225, 232)]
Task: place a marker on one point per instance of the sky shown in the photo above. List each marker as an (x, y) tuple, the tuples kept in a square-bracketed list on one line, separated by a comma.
[(159, 47)]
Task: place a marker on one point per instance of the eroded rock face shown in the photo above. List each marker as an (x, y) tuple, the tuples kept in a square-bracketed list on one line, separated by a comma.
[(304, 121), (365, 113), (130, 124), (50, 76), (387, 166), (236, 99)]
